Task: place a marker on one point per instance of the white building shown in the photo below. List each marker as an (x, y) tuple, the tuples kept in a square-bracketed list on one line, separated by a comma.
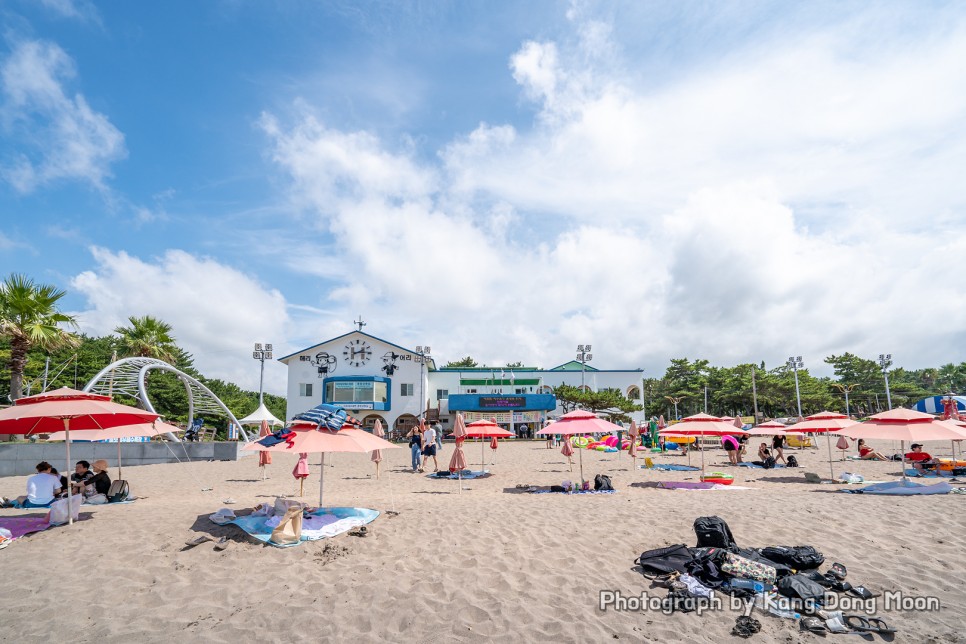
[(377, 379)]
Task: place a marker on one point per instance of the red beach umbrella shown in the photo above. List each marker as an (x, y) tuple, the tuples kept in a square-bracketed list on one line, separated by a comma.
[(264, 458), (824, 422), (579, 422), (68, 409), (702, 425), (457, 463)]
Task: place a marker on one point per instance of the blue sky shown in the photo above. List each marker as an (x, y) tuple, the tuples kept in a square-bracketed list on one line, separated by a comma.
[(740, 181)]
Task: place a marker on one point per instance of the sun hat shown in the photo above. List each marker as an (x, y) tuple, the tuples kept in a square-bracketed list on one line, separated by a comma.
[(99, 465), (222, 516)]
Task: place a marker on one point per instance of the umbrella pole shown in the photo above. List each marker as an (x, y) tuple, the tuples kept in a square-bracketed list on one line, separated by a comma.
[(301, 487), (321, 478), (830, 470), (482, 456), (70, 514), (377, 470), (581, 468), (702, 456), (902, 447), (118, 459)]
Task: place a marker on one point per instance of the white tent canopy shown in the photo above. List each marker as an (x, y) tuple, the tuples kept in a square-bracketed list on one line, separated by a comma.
[(260, 414)]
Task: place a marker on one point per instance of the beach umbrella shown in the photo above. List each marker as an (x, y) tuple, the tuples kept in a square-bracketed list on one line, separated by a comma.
[(824, 422), (771, 428), (68, 409), (485, 429), (157, 428), (377, 453), (579, 422), (330, 416), (264, 458), (702, 425), (458, 461), (307, 437), (633, 432), (301, 471), (905, 425)]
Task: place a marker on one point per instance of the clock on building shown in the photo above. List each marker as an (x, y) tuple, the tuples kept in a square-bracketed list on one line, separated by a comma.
[(357, 353)]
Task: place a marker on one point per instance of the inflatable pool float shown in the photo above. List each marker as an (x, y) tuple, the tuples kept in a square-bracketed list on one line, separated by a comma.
[(948, 464), (580, 441), (718, 477), (671, 446), (610, 449)]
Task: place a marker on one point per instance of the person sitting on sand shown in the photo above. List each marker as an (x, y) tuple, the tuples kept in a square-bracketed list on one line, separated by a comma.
[(429, 448), (921, 460), (101, 482), (63, 481), (867, 453), (81, 477), (777, 445), (42, 488)]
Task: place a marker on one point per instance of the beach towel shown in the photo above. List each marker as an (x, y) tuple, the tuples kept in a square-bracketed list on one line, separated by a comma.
[(929, 473), (671, 467), (696, 485), (547, 491), (19, 526), (465, 474), (325, 522), (903, 488), (759, 467)]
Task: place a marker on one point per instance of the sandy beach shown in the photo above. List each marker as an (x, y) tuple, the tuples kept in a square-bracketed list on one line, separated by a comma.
[(487, 564)]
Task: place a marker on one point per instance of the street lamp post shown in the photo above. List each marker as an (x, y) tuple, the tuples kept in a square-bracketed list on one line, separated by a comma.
[(885, 361), (845, 389), (262, 355), (423, 353), (583, 357), (675, 401), (796, 363)]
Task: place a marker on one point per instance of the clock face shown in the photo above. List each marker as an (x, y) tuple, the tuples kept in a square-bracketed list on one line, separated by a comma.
[(357, 353)]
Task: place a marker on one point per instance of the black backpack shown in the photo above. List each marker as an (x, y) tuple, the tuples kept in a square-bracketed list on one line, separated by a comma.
[(791, 461), (602, 482), (796, 557), (706, 566), (713, 532), (663, 561), (768, 463)]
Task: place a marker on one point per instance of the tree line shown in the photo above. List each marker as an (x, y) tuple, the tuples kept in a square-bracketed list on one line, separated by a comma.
[(33, 329)]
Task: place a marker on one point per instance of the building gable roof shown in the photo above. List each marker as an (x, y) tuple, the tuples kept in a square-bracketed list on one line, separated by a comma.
[(431, 365), (573, 365)]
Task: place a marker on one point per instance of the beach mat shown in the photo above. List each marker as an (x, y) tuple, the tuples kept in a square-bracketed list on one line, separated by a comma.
[(902, 488), (698, 485), (671, 467), (549, 491), (466, 475), (929, 474), (19, 526), (759, 467), (330, 522)]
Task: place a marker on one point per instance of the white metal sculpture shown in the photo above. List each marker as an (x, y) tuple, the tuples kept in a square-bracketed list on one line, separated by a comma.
[(127, 376)]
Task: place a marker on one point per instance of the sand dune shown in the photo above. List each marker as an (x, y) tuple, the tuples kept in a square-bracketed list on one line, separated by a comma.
[(484, 564)]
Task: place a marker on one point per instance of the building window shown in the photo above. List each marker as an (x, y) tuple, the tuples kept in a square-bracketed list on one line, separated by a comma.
[(471, 391), (405, 389), (520, 390), (634, 392), (355, 391), (442, 393), (305, 389)]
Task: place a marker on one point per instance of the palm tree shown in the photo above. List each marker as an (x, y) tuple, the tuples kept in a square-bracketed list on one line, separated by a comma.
[(147, 337), (30, 318)]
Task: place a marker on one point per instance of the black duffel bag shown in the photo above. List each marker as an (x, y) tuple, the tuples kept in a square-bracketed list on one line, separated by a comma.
[(795, 557), (663, 561), (800, 587)]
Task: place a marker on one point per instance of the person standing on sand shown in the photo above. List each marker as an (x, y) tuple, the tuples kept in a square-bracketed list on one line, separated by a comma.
[(429, 449), (439, 435), (415, 437)]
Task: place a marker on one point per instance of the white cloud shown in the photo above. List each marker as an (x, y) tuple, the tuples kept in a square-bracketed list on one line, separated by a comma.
[(216, 311), (795, 195), (53, 135), (81, 10)]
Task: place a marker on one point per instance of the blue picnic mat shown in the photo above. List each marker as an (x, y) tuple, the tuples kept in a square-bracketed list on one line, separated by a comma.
[(577, 492), (758, 467), (671, 467), (334, 521), (465, 474), (902, 488)]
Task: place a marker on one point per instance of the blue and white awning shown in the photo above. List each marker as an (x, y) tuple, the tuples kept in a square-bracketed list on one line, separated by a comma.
[(934, 404)]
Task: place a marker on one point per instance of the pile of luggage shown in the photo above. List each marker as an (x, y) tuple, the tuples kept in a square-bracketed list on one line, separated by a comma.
[(783, 581)]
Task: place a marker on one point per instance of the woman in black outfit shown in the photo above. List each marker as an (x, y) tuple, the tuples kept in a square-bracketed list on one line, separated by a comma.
[(777, 443)]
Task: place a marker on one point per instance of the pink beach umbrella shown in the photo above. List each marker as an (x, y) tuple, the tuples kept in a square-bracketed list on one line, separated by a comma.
[(157, 428), (824, 422), (458, 461), (771, 428), (905, 425), (568, 450), (264, 458), (309, 439), (702, 425), (301, 471), (579, 422), (377, 453)]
